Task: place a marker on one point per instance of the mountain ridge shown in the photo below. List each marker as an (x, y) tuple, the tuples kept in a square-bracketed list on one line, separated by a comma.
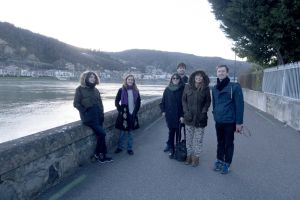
[(34, 51)]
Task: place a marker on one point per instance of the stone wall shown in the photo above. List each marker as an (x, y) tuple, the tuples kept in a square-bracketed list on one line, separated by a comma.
[(32, 164), (284, 109)]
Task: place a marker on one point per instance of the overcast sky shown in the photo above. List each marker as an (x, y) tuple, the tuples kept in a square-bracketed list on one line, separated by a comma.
[(186, 26)]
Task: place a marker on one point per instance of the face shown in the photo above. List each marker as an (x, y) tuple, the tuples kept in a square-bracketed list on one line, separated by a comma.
[(222, 73), (175, 80), (130, 81), (198, 78), (92, 78), (181, 70)]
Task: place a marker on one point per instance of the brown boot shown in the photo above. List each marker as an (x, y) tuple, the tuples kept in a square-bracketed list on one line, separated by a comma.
[(195, 161), (188, 160)]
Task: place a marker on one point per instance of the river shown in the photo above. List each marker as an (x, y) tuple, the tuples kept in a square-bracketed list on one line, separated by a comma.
[(28, 106)]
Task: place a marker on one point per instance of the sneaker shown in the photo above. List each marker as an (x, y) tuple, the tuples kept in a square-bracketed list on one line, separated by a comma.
[(130, 152), (225, 168), (172, 154), (218, 165), (104, 159), (167, 148), (118, 150), (94, 158)]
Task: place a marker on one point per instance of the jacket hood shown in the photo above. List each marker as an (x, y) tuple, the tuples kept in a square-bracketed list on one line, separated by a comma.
[(85, 75), (202, 73)]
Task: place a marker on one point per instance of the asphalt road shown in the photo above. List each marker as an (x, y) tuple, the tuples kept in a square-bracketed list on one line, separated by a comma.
[(265, 166)]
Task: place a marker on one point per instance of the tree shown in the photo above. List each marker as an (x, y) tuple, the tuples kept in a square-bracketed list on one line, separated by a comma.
[(266, 32)]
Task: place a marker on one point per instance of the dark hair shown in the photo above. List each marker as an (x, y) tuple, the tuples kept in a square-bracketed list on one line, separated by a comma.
[(181, 65), (227, 69), (89, 73), (177, 76)]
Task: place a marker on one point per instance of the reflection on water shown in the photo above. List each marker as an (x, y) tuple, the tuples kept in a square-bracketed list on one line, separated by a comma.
[(30, 106)]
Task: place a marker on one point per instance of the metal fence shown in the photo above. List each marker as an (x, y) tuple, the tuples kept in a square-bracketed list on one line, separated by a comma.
[(283, 80)]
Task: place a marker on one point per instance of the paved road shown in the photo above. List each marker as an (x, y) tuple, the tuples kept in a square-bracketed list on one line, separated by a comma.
[(265, 166)]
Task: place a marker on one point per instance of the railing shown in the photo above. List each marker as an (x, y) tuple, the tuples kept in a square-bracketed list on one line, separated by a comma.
[(283, 80)]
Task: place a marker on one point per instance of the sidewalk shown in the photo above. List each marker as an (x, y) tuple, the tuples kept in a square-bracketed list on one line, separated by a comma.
[(265, 166)]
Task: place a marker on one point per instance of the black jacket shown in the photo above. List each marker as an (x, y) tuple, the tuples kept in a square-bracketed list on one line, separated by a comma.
[(171, 105), (126, 121)]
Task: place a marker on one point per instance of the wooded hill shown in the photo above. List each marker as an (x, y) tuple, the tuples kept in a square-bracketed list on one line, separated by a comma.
[(34, 51)]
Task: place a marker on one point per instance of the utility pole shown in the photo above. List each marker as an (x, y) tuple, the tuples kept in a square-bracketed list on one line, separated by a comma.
[(234, 67)]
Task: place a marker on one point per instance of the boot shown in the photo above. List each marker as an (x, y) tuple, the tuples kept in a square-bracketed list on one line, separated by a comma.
[(188, 160), (195, 161)]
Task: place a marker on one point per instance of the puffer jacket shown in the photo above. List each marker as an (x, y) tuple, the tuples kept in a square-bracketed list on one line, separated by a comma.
[(196, 103), (89, 103), (228, 104)]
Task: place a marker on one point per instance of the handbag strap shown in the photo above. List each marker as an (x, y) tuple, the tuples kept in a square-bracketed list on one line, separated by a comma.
[(181, 125)]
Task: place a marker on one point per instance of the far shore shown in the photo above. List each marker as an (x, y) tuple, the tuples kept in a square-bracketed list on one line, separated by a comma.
[(139, 81)]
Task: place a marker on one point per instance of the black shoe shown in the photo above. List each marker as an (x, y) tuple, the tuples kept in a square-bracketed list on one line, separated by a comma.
[(94, 158), (130, 152), (104, 159), (167, 148), (118, 150)]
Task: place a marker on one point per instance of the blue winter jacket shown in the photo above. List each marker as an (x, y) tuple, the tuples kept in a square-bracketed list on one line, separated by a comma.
[(228, 104)]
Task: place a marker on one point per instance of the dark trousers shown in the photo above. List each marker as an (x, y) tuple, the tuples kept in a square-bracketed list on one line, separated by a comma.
[(100, 134), (171, 140), (225, 137)]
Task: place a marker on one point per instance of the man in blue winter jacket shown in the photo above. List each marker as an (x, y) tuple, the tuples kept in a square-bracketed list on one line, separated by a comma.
[(228, 111)]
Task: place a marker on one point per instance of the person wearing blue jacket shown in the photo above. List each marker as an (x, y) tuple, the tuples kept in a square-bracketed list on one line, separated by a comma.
[(228, 111)]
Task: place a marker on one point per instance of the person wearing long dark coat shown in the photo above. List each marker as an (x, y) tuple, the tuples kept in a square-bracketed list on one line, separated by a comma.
[(127, 102), (171, 108), (88, 102)]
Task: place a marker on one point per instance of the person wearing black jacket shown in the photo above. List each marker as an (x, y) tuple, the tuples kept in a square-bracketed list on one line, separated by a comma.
[(88, 102), (171, 108), (127, 102)]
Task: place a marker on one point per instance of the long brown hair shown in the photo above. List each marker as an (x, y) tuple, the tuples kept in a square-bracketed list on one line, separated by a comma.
[(125, 82)]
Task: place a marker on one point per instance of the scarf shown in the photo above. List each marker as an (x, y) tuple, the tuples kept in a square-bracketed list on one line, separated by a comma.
[(124, 95), (90, 85), (223, 83)]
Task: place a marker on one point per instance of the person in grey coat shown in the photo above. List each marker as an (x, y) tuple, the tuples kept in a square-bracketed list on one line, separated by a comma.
[(88, 102), (171, 108)]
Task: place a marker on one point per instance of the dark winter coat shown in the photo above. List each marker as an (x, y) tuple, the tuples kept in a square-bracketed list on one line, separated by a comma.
[(89, 103), (195, 103), (228, 104), (171, 105), (126, 121)]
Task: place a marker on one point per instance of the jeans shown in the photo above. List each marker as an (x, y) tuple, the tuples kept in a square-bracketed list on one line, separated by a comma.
[(122, 137), (100, 134), (225, 137), (173, 132)]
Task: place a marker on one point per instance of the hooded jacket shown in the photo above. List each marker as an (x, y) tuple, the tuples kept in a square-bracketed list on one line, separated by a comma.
[(88, 102), (196, 102)]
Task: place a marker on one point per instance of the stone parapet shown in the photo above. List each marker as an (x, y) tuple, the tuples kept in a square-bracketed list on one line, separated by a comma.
[(34, 163)]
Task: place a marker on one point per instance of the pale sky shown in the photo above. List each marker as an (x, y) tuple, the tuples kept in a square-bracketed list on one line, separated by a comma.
[(186, 26)]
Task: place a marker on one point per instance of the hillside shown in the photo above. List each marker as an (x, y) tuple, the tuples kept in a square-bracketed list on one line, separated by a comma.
[(169, 60), (34, 51), (22, 46)]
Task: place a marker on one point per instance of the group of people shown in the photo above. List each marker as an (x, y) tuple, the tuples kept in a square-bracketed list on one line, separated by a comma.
[(185, 103), (88, 102)]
